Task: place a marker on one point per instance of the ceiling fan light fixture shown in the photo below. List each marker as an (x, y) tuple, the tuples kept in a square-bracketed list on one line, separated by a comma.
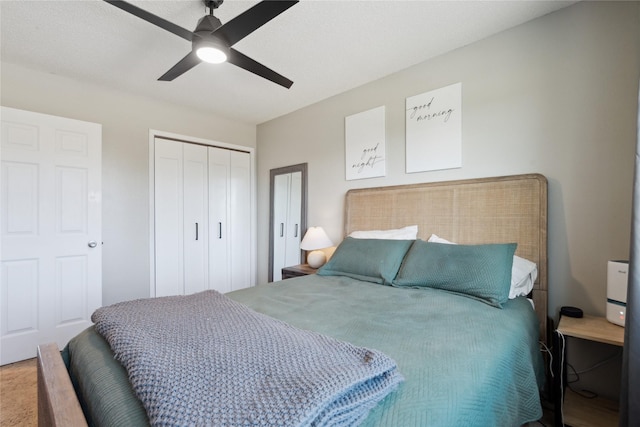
[(211, 51), (212, 55)]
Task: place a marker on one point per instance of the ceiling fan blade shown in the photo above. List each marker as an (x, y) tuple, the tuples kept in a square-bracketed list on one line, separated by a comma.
[(184, 65), (243, 61), (153, 19), (252, 19)]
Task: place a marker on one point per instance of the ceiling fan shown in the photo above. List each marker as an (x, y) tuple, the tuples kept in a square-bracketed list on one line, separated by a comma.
[(211, 41)]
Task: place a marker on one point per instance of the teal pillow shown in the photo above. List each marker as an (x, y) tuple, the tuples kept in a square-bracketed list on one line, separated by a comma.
[(102, 383), (371, 260), (479, 271)]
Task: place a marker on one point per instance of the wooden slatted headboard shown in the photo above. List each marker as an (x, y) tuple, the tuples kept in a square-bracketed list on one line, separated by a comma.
[(485, 210)]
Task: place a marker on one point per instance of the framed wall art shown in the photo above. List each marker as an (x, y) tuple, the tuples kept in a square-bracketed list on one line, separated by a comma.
[(365, 144), (434, 130)]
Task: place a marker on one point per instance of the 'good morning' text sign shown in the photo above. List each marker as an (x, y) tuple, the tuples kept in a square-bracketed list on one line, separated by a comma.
[(434, 130)]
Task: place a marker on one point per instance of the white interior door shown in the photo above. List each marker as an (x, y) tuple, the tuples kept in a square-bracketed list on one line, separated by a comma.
[(169, 218), (240, 224), (196, 259), (219, 214), (181, 193), (51, 279), (229, 219)]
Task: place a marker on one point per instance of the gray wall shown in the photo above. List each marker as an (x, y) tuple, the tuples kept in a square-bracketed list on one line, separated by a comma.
[(557, 95), (126, 120)]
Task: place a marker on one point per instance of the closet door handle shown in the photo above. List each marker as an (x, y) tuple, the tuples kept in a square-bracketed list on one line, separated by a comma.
[(282, 229), (296, 232), (196, 231), (219, 230)]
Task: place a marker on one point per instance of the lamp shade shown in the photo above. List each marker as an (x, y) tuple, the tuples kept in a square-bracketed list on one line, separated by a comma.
[(315, 238)]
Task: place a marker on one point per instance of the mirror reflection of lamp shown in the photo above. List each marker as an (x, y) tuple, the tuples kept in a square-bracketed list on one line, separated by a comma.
[(315, 239)]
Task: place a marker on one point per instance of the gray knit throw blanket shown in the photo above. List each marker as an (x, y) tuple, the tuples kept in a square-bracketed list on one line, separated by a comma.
[(205, 360)]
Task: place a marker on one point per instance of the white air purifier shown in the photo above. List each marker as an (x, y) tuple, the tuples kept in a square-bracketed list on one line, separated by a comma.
[(617, 275)]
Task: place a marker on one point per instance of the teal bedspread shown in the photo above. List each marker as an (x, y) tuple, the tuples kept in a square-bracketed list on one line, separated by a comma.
[(465, 363)]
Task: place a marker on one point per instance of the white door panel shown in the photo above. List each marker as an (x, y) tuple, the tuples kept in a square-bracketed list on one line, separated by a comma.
[(196, 260), (169, 245), (20, 287), (240, 220), (219, 257), (51, 210), (71, 201), (71, 285), (20, 192)]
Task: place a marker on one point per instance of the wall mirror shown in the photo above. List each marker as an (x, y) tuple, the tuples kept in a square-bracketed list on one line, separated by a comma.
[(287, 217)]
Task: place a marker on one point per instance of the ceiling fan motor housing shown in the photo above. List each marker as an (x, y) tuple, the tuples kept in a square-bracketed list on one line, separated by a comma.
[(207, 23), (204, 30)]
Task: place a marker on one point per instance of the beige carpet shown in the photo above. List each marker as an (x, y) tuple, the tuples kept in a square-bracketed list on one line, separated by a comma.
[(18, 394)]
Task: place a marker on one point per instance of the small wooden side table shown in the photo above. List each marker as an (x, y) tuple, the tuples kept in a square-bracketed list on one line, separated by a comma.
[(599, 411), (297, 271)]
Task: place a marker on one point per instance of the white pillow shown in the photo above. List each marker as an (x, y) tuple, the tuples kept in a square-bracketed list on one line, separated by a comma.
[(407, 233), (523, 273), (437, 239)]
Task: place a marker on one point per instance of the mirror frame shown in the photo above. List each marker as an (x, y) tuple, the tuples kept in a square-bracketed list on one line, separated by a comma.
[(302, 167)]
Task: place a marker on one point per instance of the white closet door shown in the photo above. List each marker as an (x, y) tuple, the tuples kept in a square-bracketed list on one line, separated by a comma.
[(240, 220), (292, 255), (202, 218), (169, 219), (219, 257), (280, 211), (195, 191), (51, 276)]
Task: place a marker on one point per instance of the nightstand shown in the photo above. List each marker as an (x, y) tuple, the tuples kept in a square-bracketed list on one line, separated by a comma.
[(297, 271), (598, 411)]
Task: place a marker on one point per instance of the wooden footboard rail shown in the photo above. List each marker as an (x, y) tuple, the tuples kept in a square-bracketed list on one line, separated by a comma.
[(57, 401)]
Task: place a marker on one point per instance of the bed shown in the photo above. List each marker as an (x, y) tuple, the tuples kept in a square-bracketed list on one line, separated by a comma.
[(463, 360)]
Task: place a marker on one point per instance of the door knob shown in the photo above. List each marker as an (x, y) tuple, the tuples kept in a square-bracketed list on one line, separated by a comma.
[(92, 244)]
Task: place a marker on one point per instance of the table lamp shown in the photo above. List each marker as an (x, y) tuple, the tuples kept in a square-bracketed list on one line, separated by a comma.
[(314, 239)]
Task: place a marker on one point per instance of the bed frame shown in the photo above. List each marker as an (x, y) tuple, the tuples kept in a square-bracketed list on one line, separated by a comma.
[(485, 210), (57, 401)]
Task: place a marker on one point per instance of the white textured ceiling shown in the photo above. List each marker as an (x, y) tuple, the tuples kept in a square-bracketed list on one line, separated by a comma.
[(325, 47)]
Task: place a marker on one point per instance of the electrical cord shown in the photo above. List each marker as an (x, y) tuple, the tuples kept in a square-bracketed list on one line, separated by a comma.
[(588, 394), (547, 350), (614, 356)]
